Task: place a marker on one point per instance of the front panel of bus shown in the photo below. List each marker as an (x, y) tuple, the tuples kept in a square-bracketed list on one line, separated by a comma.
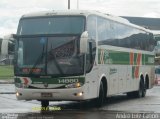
[(48, 60)]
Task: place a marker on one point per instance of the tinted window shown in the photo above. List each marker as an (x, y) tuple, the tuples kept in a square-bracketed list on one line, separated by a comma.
[(92, 29), (51, 25), (91, 26), (58, 56), (117, 34)]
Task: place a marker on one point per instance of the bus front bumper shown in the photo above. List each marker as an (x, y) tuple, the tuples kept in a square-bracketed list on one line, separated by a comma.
[(72, 94)]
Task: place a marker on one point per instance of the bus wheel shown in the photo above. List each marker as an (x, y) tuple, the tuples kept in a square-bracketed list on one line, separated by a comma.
[(142, 90), (100, 100), (44, 105)]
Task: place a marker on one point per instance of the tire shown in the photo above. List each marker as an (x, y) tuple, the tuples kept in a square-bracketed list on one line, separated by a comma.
[(142, 90), (44, 105), (100, 100)]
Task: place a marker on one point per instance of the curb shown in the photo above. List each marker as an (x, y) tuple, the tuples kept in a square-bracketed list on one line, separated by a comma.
[(7, 92), (6, 82)]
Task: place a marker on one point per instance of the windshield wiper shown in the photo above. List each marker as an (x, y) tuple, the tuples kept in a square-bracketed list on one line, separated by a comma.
[(41, 56)]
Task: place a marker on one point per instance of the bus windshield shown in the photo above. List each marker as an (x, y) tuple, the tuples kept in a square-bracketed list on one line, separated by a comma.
[(51, 25), (57, 56), (49, 46)]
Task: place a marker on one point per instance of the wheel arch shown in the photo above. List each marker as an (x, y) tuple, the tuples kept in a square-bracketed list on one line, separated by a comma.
[(142, 78), (145, 79), (103, 79)]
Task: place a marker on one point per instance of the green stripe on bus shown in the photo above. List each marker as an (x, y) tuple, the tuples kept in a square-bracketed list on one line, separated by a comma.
[(119, 57), (62, 80), (123, 58), (149, 59)]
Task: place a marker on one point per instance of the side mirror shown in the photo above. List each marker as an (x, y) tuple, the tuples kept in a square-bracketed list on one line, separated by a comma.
[(84, 43)]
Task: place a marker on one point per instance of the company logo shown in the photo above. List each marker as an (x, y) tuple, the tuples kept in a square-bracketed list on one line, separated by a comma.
[(46, 85)]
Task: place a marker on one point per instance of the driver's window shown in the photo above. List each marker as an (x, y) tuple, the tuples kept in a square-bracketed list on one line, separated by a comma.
[(91, 26), (92, 32)]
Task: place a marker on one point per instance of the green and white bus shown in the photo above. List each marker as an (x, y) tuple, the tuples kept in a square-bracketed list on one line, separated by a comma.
[(81, 55)]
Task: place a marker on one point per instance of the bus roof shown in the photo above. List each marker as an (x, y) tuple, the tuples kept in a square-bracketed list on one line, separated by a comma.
[(83, 13)]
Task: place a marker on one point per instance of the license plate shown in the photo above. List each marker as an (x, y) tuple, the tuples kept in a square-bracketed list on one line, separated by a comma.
[(46, 94)]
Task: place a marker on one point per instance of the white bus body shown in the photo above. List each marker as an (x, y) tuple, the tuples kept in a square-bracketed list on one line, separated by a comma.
[(114, 56)]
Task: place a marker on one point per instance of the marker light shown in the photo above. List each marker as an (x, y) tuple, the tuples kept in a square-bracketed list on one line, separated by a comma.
[(78, 85)]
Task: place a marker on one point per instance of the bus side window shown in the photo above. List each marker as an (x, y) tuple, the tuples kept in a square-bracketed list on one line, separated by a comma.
[(91, 26)]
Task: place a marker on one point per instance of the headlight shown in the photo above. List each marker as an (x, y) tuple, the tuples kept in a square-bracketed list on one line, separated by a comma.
[(74, 85)]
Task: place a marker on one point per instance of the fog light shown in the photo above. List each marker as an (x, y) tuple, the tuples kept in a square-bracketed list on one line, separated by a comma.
[(79, 94), (18, 94)]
